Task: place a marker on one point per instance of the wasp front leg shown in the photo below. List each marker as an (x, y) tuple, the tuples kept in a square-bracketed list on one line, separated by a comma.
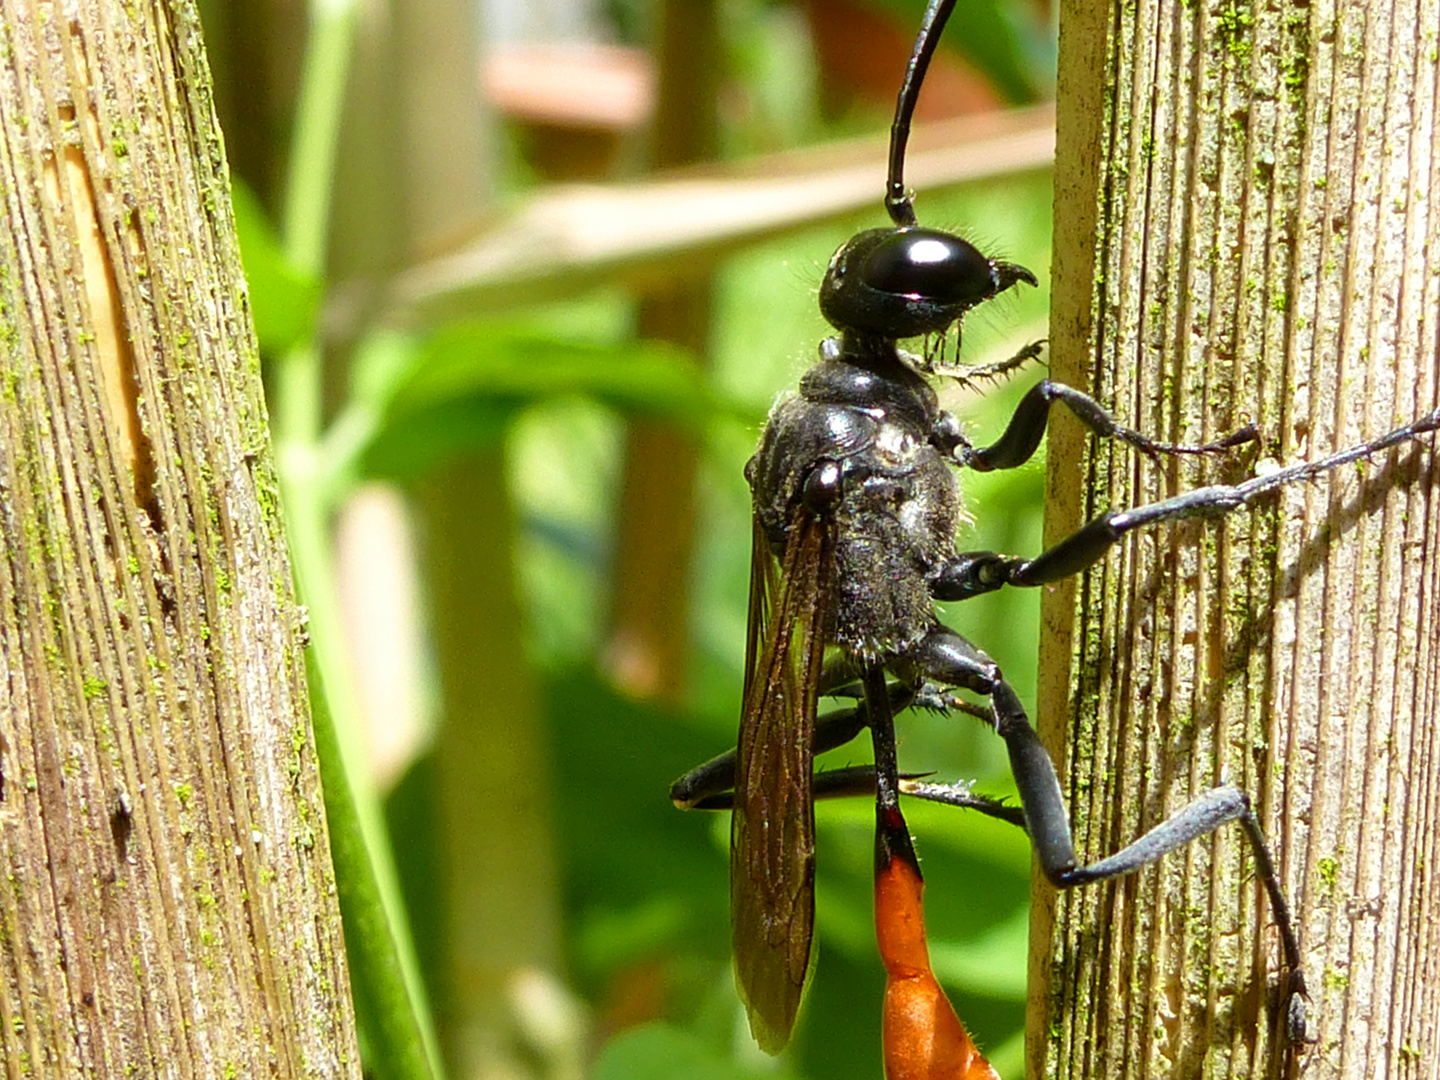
[(1026, 429)]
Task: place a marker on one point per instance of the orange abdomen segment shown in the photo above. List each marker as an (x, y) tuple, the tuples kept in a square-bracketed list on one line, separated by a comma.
[(923, 1038)]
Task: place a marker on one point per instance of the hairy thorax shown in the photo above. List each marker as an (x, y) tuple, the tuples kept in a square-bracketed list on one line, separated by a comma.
[(899, 504)]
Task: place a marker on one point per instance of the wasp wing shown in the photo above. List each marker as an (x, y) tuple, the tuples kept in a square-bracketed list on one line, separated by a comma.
[(772, 832)]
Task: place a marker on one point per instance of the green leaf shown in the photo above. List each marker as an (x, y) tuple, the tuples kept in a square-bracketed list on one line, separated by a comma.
[(997, 37), (992, 963), (464, 382), (283, 300), (661, 1052), (518, 362)]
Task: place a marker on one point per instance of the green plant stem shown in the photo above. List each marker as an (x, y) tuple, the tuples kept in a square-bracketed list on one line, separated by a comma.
[(318, 111), (385, 978)]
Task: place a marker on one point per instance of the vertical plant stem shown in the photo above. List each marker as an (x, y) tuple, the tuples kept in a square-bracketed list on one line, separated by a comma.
[(389, 991)]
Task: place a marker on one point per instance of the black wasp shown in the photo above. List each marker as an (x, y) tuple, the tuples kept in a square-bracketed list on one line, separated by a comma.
[(856, 508)]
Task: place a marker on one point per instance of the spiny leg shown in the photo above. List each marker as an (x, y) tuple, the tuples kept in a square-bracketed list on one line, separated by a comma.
[(710, 786), (973, 573), (1026, 429), (946, 657), (969, 374)]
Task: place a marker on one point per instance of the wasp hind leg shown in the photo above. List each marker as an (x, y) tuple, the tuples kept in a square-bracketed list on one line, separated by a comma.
[(711, 786), (948, 658)]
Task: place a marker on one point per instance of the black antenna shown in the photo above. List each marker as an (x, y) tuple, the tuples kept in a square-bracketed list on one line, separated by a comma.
[(898, 201)]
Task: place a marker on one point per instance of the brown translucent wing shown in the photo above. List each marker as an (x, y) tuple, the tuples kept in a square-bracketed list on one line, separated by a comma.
[(772, 832)]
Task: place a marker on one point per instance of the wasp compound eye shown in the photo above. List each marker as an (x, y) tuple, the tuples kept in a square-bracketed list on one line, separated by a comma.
[(899, 283), (924, 264)]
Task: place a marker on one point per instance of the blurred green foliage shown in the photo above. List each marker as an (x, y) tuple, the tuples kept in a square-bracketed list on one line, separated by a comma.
[(999, 38)]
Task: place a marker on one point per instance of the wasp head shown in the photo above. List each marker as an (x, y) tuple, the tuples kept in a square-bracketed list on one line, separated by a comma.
[(901, 283)]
